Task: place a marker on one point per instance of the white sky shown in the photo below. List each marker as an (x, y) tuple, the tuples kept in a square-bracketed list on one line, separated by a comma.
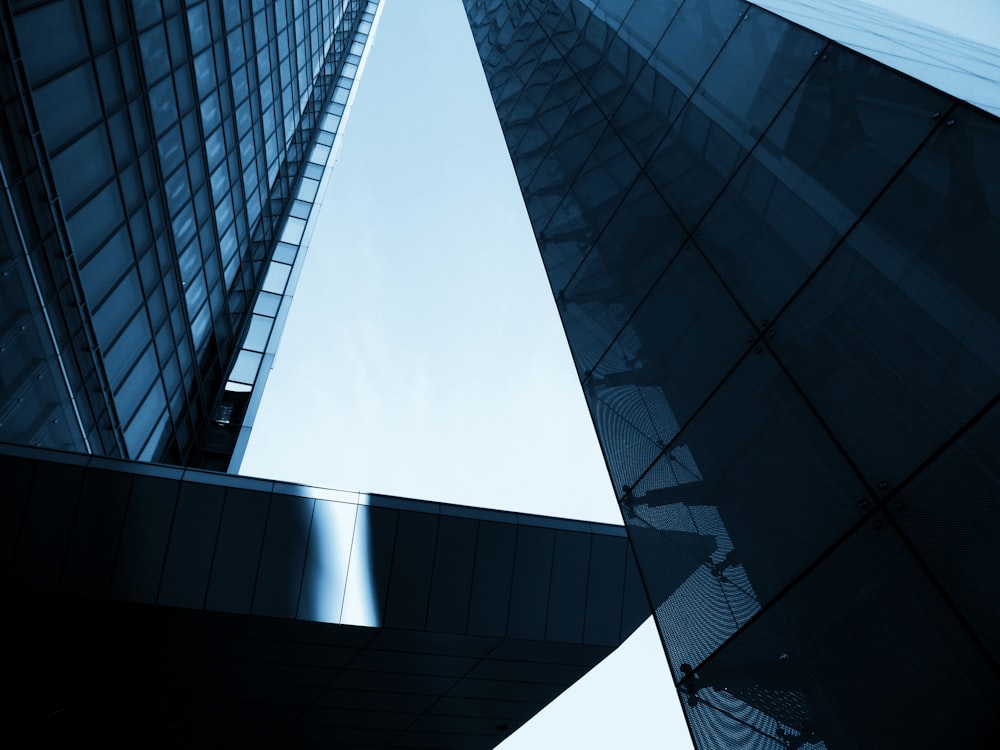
[(424, 356)]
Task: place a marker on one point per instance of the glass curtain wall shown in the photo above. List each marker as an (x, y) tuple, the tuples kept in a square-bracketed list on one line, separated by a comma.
[(775, 264), (152, 154)]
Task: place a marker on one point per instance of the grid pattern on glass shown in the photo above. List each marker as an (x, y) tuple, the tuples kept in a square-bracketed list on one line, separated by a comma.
[(827, 342), (259, 346), (170, 144)]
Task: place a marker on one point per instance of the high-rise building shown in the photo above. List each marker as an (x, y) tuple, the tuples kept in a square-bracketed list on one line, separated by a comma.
[(160, 166), (775, 262), (774, 256)]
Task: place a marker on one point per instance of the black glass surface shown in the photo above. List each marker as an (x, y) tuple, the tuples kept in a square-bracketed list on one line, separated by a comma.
[(896, 340), (187, 564), (144, 539), (744, 498), (238, 550), (948, 513), (849, 656)]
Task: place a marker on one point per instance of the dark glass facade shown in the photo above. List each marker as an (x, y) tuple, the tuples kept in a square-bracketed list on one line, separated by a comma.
[(208, 610), (160, 161), (775, 262)]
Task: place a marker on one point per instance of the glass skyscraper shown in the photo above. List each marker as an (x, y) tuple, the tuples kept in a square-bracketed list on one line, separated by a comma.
[(776, 265), (160, 163), (161, 167), (775, 261)]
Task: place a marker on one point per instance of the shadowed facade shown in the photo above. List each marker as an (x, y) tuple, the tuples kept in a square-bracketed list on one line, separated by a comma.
[(184, 608), (775, 263)]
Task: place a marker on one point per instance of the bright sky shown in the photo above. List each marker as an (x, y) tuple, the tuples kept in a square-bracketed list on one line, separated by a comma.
[(424, 356)]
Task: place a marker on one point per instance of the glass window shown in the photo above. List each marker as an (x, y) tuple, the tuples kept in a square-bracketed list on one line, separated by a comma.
[(267, 304), (223, 211), (241, 85), (939, 520), (260, 329), (184, 227), (694, 38), (177, 40), (146, 417), (412, 564), (146, 12), (847, 129), (201, 327), (530, 589), (37, 27), (737, 506), (193, 140), (121, 139), (761, 64), (140, 125), (294, 229), (76, 92), (171, 150), (676, 348), (308, 190), (157, 306), (238, 550), (568, 594), (277, 275), (285, 253), (178, 190), (215, 148), (283, 552), (94, 221), (620, 269), (134, 338), (153, 46), (111, 85), (203, 208), (896, 340), (193, 536), (229, 274), (198, 27), (245, 369), (204, 70), (196, 169), (228, 245), (300, 209), (605, 590), (136, 385), (142, 237), (182, 84), (646, 21), (210, 116), (857, 627), (106, 266), (320, 154), (243, 118), (491, 579), (82, 167), (163, 105), (118, 308), (233, 15), (195, 293)]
